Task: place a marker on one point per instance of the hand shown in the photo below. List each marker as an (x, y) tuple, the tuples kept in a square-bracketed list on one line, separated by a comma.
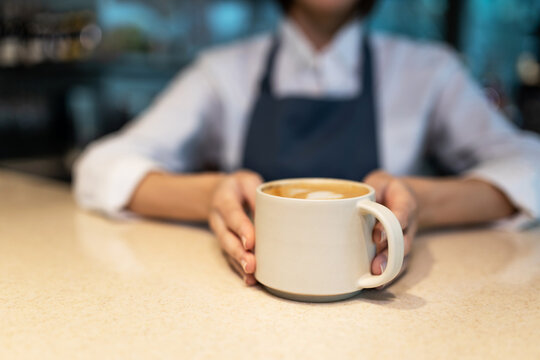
[(396, 195), (232, 226)]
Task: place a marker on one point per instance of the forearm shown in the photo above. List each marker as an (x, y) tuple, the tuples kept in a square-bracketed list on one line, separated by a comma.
[(174, 196), (456, 201)]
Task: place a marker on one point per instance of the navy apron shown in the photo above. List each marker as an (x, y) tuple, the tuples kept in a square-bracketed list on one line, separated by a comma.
[(296, 136)]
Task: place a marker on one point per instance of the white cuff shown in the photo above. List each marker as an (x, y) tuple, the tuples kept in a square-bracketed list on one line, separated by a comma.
[(518, 222), (123, 177), (518, 180)]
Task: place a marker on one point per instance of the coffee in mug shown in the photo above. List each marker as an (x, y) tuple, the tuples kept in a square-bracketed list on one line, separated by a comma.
[(314, 238), (317, 191)]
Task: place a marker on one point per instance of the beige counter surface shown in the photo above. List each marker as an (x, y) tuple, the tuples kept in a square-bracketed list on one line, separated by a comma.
[(75, 285)]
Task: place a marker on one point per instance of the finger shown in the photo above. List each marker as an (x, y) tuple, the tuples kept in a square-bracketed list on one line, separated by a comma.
[(379, 237), (249, 279), (234, 265), (379, 263), (379, 234), (231, 244), (401, 272), (235, 218)]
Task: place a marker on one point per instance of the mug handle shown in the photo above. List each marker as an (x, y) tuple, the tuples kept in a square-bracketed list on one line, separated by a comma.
[(395, 243)]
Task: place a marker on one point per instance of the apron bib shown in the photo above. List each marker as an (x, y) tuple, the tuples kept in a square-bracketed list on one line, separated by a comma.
[(295, 136)]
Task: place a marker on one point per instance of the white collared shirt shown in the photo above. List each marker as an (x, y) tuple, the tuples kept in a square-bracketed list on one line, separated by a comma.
[(427, 105)]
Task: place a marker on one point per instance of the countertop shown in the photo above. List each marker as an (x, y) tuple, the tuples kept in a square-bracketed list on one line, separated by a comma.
[(75, 285)]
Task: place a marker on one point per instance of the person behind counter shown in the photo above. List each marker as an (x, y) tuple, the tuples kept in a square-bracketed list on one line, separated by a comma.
[(322, 97)]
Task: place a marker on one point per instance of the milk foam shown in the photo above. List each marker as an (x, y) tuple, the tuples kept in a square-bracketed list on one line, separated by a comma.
[(323, 195), (296, 191), (316, 191)]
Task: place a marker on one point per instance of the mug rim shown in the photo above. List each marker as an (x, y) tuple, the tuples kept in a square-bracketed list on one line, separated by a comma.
[(314, 179)]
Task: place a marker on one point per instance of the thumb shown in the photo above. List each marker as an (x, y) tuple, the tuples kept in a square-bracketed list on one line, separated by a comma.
[(379, 180), (248, 186)]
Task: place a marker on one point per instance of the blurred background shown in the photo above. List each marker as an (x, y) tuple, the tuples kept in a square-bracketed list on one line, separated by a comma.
[(74, 70)]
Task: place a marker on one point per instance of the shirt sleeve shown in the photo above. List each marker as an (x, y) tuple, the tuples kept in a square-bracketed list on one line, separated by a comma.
[(469, 136), (171, 135)]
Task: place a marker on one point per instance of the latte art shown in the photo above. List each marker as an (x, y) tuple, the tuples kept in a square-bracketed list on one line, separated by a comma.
[(323, 195), (317, 191)]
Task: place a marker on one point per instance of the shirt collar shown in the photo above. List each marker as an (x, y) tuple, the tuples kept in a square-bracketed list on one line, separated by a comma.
[(339, 49)]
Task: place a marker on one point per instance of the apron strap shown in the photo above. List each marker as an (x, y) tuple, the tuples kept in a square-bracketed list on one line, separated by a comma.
[(266, 84), (366, 71)]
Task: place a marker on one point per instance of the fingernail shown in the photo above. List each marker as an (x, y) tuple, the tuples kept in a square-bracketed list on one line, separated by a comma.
[(383, 265), (244, 241), (244, 265), (383, 236)]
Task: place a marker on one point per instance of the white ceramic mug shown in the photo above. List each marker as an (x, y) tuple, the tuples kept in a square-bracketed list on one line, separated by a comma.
[(321, 250)]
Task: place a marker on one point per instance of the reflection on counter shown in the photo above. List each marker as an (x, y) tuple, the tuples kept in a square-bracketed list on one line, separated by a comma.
[(106, 244)]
